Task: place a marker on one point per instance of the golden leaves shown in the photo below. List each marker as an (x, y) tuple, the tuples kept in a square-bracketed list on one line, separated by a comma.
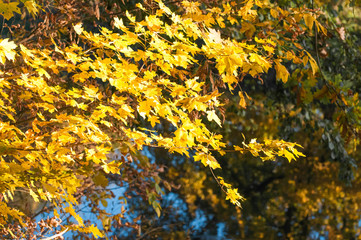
[(211, 116), (312, 63), (207, 160), (7, 50), (7, 9), (78, 28), (70, 209), (274, 13), (118, 23), (231, 193), (32, 7), (281, 72), (233, 196), (270, 149), (78, 100), (309, 20), (214, 36), (95, 231), (242, 101)]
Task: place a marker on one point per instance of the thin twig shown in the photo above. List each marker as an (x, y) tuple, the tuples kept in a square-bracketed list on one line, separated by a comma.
[(56, 235), (214, 176)]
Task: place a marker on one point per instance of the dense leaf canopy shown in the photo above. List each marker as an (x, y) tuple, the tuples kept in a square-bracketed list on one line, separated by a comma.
[(176, 119)]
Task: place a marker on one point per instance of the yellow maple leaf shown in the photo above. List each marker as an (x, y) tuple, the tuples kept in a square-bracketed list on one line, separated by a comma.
[(213, 163), (312, 63), (130, 17), (309, 20), (145, 107), (212, 116), (233, 195), (95, 231), (214, 36), (78, 28), (281, 72), (153, 120), (242, 100), (288, 155), (7, 9), (7, 50), (32, 7), (118, 23)]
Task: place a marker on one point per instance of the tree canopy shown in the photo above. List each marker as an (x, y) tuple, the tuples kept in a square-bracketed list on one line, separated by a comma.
[(153, 115)]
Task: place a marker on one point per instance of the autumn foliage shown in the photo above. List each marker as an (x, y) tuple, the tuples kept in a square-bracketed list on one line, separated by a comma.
[(81, 105)]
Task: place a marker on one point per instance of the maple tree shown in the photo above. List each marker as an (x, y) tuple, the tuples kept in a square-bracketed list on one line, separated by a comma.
[(84, 96), (315, 197)]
